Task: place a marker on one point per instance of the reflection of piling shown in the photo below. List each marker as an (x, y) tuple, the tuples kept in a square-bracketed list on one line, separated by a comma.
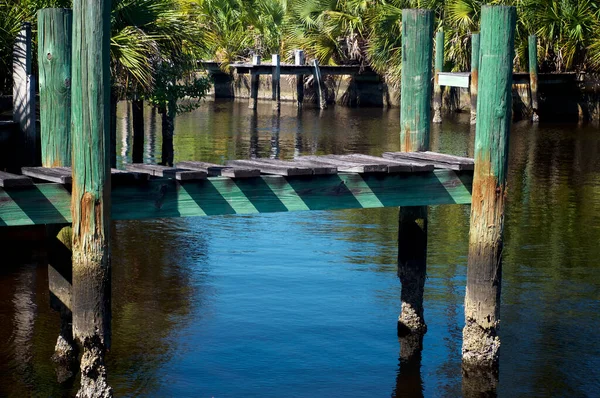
[(54, 60), (474, 75), (482, 302), (533, 78), (275, 81), (254, 83), (417, 32), (299, 60), (439, 67), (90, 207)]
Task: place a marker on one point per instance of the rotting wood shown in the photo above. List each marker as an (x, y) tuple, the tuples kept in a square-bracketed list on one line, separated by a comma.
[(346, 164), (279, 168), (439, 160), (396, 165), (439, 67), (484, 275), (54, 60), (61, 175), (216, 170), (474, 76), (91, 191)]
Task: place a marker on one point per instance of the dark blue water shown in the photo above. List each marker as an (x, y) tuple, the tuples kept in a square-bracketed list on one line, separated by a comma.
[(305, 304)]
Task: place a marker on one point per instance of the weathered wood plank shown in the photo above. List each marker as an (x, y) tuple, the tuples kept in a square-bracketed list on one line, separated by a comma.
[(454, 79), (474, 78), (159, 198), (439, 67), (53, 174), (165, 171), (269, 167), (395, 165), (217, 170), (8, 180), (439, 160), (346, 164)]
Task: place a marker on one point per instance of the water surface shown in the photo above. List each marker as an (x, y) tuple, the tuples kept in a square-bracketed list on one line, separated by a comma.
[(305, 304)]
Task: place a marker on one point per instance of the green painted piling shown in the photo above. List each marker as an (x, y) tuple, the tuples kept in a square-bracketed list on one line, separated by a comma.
[(54, 59), (415, 101), (90, 207), (533, 78), (474, 75), (484, 275), (439, 67)]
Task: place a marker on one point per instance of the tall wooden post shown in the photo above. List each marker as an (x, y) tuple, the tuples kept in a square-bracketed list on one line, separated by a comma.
[(415, 100), (484, 275), (474, 75), (533, 78), (24, 96), (137, 116), (299, 60), (275, 81), (439, 67), (54, 59), (90, 203), (254, 83), (319, 85)]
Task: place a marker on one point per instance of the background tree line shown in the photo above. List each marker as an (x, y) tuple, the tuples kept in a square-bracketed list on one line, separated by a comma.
[(148, 35)]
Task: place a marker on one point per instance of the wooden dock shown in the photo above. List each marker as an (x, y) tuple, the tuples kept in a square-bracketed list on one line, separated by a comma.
[(43, 195)]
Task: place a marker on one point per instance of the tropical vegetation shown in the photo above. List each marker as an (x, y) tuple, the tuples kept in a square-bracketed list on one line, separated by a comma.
[(363, 32)]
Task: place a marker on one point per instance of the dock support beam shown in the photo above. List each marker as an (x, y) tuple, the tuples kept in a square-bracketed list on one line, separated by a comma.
[(533, 78), (299, 60), (439, 67), (254, 83), (137, 116), (55, 26), (90, 208), (320, 86), (474, 81), (415, 112), (275, 81), (484, 276), (24, 96)]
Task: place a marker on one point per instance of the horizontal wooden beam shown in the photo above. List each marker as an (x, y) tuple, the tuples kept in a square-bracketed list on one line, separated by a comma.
[(161, 198), (290, 69)]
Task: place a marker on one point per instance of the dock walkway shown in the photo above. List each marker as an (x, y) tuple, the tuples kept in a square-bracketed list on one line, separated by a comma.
[(43, 195)]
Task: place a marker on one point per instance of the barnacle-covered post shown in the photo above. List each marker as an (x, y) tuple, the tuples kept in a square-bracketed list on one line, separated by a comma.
[(415, 100), (484, 276), (90, 203)]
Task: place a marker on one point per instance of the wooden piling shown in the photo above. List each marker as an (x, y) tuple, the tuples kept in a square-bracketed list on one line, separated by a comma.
[(54, 60), (275, 81), (415, 100), (299, 60), (90, 208), (24, 96), (533, 78), (254, 83), (474, 75), (484, 276), (439, 67), (319, 86), (137, 116)]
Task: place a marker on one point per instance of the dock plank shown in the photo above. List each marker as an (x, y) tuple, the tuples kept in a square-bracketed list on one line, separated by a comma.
[(396, 165), (216, 170), (165, 171), (60, 175), (348, 165), (8, 180), (280, 167), (439, 160)]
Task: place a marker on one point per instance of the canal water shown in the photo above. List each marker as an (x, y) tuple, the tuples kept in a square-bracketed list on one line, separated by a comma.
[(305, 304)]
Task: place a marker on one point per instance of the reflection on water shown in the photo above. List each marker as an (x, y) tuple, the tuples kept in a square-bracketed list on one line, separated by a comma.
[(305, 304)]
